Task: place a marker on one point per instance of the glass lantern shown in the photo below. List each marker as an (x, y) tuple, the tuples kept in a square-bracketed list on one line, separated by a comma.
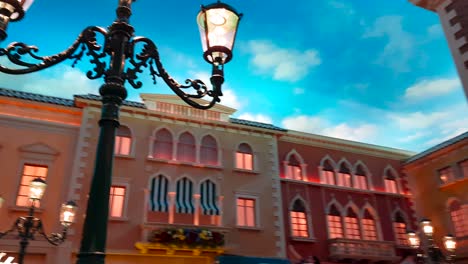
[(426, 227), (36, 189), (67, 213), (413, 239), (450, 243)]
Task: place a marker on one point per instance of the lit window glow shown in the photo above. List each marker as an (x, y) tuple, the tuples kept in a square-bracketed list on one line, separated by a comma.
[(294, 172), (352, 228), (446, 175), (368, 228), (30, 172), (116, 201), (459, 215), (246, 212), (329, 177), (344, 179), (335, 227), (360, 182), (244, 157), (391, 186), (298, 224)]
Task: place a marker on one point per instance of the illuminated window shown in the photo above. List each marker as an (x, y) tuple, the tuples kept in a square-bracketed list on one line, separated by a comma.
[(123, 141), (293, 168), (298, 218), (117, 201), (186, 148), (163, 145), (209, 151), (344, 176), (352, 225), (244, 157), (459, 216), (369, 231), (328, 173), (335, 225), (30, 172), (390, 182), (246, 212), (446, 175), (360, 178), (463, 168), (400, 230)]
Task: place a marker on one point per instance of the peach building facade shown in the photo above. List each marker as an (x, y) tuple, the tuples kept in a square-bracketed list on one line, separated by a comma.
[(200, 176), (344, 201), (439, 180)]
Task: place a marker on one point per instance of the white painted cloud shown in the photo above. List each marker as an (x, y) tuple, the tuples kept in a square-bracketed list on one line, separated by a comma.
[(418, 120), (435, 31), (60, 81), (281, 63), (399, 50), (317, 125), (431, 88), (256, 117), (343, 6)]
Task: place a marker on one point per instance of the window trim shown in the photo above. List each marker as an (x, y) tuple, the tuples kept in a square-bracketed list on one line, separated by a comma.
[(121, 182), (254, 158), (152, 140), (310, 231), (131, 154), (257, 219), (20, 178)]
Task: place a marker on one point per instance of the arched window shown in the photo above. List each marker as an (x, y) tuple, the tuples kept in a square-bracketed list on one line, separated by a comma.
[(352, 225), (209, 151), (158, 194), (369, 230), (298, 218), (344, 176), (390, 180), (184, 196), (163, 145), (244, 157), (186, 148), (208, 198), (360, 178), (328, 173), (335, 225), (123, 141), (459, 216), (293, 168), (400, 229)]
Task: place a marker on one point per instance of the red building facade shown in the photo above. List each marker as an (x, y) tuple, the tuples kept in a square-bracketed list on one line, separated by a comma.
[(343, 200)]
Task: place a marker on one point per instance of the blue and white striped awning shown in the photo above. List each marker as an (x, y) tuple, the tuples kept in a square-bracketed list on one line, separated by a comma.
[(184, 196), (158, 195), (208, 198)]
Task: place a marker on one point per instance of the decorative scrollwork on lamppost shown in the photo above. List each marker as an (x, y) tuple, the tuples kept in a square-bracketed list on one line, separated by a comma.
[(426, 250), (28, 226), (119, 59)]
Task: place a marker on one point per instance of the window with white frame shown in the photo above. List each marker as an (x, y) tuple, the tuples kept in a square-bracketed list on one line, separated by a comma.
[(246, 212), (29, 173), (208, 198), (369, 230), (293, 168), (344, 176), (390, 182), (123, 141), (159, 194), (459, 217), (328, 173), (446, 175), (463, 168), (209, 151), (117, 201), (184, 196), (298, 219), (400, 230), (163, 145), (335, 224), (352, 225), (186, 149), (360, 178), (244, 157)]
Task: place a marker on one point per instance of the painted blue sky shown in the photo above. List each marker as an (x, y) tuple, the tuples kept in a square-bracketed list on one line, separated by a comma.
[(378, 72)]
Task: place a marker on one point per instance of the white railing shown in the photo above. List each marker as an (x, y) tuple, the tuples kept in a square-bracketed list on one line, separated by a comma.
[(361, 249)]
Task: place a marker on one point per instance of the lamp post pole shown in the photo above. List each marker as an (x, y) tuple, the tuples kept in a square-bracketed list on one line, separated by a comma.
[(218, 24)]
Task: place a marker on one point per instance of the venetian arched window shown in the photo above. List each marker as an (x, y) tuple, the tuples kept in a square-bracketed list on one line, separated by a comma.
[(352, 225), (208, 198), (369, 230), (184, 196), (163, 144), (186, 150), (158, 194), (400, 229), (123, 141), (459, 217), (335, 224), (298, 219), (328, 173), (209, 151), (293, 168), (360, 178), (344, 175), (390, 180)]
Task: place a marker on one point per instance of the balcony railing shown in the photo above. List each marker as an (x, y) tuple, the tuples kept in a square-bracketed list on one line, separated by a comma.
[(341, 248)]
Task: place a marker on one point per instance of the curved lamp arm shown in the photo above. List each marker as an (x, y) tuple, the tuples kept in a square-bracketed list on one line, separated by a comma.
[(14, 227), (54, 238)]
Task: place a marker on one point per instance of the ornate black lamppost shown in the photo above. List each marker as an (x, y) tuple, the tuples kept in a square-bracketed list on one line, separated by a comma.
[(120, 59), (428, 251), (28, 226)]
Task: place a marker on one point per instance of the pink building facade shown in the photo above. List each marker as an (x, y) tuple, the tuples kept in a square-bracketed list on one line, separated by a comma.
[(343, 201)]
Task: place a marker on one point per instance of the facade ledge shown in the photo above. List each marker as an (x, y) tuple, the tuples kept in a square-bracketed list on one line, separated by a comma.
[(250, 228), (451, 184), (119, 156), (246, 171), (145, 247), (119, 219), (185, 163), (304, 239), (155, 225), (24, 209), (342, 248)]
